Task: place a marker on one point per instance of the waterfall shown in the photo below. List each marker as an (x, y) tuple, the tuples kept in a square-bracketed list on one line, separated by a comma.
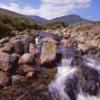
[(58, 85), (87, 97), (91, 62)]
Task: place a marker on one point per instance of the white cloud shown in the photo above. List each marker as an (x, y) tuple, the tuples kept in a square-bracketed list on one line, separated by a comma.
[(49, 8)]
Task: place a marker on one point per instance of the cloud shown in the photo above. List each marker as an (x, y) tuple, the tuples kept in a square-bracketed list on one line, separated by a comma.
[(49, 8)]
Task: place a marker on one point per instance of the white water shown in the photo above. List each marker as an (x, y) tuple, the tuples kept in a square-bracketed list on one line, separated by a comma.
[(65, 71), (37, 40), (58, 85), (92, 63), (87, 97)]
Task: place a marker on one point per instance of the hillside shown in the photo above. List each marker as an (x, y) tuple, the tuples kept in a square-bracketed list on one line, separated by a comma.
[(38, 19), (10, 22), (69, 19)]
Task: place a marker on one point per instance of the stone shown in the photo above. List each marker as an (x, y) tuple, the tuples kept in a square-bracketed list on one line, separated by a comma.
[(48, 52), (7, 48), (21, 43), (18, 80), (6, 61), (4, 79), (83, 47), (27, 59), (4, 40), (32, 49), (30, 74), (66, 42), (25, 69), (50, 40)]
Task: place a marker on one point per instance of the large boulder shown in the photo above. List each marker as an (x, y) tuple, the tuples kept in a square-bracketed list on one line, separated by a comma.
[(7, 62), (48, 52), (7, 48), (21, 43), (27, 59), (4, 79)]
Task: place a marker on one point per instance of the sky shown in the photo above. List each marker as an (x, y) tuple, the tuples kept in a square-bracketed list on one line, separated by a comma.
[(49, 9)]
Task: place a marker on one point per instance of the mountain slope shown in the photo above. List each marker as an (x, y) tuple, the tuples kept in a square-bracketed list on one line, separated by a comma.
[(69, 19), (38, 19)]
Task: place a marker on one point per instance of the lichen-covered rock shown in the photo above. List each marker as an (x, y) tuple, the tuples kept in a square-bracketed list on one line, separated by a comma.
[(48, 52)]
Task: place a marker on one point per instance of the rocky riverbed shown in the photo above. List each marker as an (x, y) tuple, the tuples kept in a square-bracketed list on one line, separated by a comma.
[(32, 68)]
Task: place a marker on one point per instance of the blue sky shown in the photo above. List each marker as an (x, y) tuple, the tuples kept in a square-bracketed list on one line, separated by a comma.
[(49, 9)]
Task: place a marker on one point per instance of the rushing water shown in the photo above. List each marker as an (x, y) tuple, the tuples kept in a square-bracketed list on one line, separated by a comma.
[(58, 85), (87, 97), (65, 71)]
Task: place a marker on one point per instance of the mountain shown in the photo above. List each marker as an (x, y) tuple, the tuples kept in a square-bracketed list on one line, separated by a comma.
[(8, 12), (38, 19), (69, 19)]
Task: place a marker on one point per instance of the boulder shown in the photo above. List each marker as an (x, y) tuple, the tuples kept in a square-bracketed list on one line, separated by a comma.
[(27, 59), (6, 61), (66, 42), (32, 49), (21, 43), (18, 80), (7, 48), (4, 79), (26, 69), (48, 52), (50, 40), (4, 40)]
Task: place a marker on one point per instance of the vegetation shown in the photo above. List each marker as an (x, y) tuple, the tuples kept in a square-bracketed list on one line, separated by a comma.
[(55, 25), (9, 23)]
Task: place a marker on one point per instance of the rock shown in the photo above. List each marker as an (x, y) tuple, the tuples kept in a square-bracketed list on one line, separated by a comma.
[(50, 40), (83, 47), (66, 42), (48, 52), (15, 57), (4, 40), (88, 78), (30, 74), (15, 79), (7, 48), (32, 49), (6, 61), (25, 69), (18, 80), (21, 43), (27, 59), (4, 80)]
